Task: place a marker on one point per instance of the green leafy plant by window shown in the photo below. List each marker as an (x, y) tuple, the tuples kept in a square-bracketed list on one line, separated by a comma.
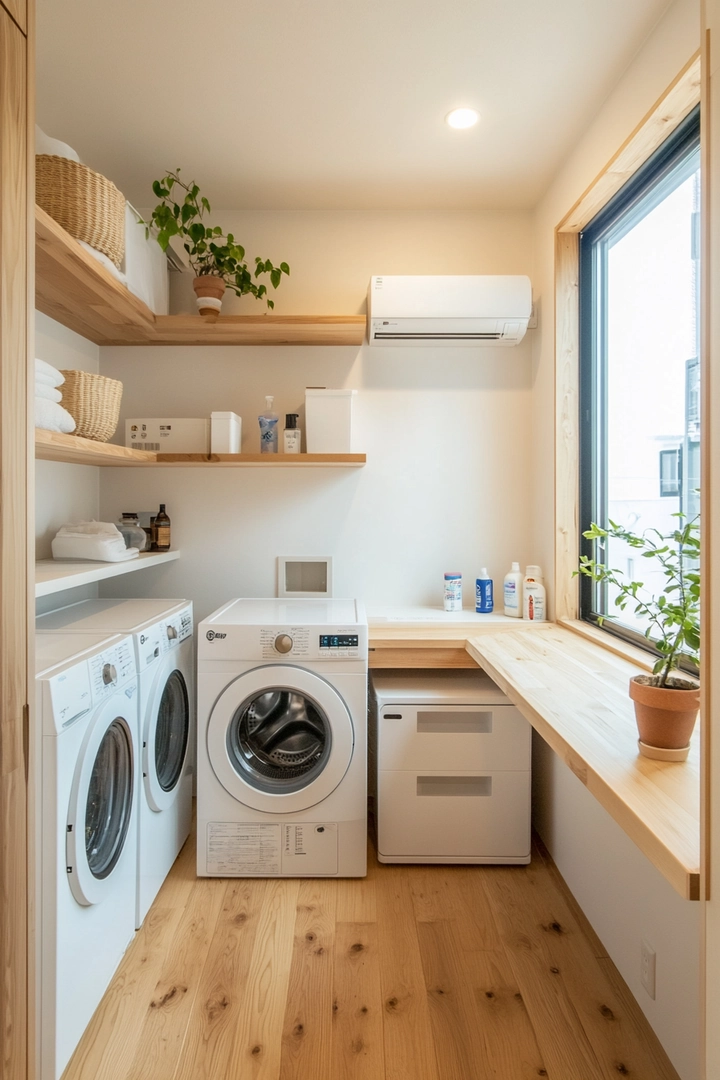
[(673, 616), (210, 250)]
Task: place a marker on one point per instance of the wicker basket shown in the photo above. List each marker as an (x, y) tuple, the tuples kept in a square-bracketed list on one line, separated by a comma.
[(93, 401), (84, 202)]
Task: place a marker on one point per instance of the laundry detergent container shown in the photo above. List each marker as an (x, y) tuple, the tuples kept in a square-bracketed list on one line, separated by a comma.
[(329, 421)]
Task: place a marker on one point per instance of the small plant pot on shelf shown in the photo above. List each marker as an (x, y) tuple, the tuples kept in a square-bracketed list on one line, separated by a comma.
[(209, 291), (665, 716)]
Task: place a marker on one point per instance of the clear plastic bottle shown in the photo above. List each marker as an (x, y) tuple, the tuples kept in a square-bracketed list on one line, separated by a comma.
[(513, 592), (133, 534), (268, 422)]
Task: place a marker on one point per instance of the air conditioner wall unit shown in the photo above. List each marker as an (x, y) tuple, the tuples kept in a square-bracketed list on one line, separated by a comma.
[(472, 309)]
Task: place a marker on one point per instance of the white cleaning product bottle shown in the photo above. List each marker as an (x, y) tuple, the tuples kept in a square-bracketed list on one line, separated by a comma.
[(512, 591), (533, 595), (268, 422)]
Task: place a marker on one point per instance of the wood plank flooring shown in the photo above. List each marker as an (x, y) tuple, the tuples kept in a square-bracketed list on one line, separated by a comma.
[(415, 973)]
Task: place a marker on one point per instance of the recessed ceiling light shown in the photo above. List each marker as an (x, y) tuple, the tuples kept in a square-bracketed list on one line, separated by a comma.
[(462, 118)]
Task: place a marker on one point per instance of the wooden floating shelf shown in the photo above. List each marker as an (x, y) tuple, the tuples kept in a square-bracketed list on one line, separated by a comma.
[(53, 576), (73, 288), (52, 446)]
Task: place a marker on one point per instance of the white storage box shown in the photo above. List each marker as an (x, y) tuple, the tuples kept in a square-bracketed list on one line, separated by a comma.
[(328, 421), (168, 435), (452, 761), (225, 433)]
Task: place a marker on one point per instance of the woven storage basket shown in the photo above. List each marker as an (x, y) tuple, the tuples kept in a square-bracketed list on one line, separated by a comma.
[(93, 401), (84, 202)]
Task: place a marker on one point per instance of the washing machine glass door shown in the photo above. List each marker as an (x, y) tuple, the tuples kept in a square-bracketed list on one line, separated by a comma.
[(166, 733), (101, 804), (280, 738)]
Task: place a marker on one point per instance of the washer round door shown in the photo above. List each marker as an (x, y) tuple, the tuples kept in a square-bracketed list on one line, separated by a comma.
[(165, 737), (280, 739), (101, 805)]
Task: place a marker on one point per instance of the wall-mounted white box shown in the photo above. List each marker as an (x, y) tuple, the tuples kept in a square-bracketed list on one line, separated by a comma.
[(170, 435), (225, 433), (329, 421), (305, 575)]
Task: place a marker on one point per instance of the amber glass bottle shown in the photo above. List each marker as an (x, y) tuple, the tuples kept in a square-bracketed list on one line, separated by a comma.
[(162, 529)]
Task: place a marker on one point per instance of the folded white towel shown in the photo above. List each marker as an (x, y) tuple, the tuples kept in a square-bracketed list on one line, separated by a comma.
[(104, 261), (52, 417), (44, 144), (47, 374), (48, 393), (98, 540)]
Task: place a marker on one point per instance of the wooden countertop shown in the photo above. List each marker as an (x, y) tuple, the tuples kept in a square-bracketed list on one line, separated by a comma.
[(574, 693)]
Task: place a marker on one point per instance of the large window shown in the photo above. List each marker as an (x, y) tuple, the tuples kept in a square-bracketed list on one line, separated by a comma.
[(639, 363)]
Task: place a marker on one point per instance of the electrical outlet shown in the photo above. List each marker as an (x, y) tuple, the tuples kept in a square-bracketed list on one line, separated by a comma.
[(647, 968), (533, 320)]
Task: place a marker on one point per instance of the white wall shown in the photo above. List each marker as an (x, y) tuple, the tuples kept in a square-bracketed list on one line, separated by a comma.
[(622, 894), (446, 431)]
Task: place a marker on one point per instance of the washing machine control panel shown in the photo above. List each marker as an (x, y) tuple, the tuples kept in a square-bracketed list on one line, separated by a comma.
[(176, 628), (308, 643), (111, 668)]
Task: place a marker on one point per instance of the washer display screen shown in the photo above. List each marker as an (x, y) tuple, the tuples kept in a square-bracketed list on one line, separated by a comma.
[(339, 641)]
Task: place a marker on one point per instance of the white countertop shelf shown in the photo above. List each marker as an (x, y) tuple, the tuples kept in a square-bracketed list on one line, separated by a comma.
[(52, 576)]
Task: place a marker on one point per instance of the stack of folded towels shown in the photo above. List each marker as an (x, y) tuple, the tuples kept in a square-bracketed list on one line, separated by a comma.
[(99, 540), (49, 413)]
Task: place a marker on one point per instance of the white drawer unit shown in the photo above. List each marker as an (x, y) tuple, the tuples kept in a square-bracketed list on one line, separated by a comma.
[(452, 761)]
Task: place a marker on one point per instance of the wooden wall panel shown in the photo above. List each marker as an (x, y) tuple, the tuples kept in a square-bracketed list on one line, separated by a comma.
[(18, 10), (13, 550)]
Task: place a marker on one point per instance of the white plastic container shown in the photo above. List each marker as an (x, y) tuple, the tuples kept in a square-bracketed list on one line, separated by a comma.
[(533, 595), (328, 421), (168, 435), (225, 433), (452, 597), (513, 592)]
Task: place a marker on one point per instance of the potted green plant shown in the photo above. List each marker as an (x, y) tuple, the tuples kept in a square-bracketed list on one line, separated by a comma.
[(666, 702), (216, 258)]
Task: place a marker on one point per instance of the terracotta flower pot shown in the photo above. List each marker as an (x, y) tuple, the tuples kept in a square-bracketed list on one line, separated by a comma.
[(209, 291), (665, 718)]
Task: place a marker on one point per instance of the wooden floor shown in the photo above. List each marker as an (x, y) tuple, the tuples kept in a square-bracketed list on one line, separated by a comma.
[(415, 973)]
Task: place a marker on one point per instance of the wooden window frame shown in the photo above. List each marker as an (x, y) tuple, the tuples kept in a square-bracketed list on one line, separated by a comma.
[(672, 107)]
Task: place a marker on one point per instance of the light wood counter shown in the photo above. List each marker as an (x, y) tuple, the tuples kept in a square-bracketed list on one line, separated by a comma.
[(574, 693)]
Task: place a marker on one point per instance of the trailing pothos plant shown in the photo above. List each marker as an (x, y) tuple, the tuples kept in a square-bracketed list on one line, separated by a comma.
[(673, 616), (210, 250)]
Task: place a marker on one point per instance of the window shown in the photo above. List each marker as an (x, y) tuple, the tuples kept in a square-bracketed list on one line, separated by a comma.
[(639, 366)]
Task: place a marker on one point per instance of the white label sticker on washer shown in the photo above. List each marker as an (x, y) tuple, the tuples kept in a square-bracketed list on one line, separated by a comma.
[(243, 848)]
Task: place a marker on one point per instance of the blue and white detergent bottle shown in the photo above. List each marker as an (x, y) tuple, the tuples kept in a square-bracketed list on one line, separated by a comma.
[(268, 422), (484, 592)]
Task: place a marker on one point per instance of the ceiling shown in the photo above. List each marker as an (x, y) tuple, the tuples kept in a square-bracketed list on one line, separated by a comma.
[(331, 104)]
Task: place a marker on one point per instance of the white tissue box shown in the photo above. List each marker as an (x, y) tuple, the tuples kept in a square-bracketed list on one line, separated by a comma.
[(328, 421), (168, 436), (225, 433)]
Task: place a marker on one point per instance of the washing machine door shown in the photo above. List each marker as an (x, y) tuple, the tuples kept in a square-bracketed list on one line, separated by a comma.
[(165, 735), (102, 804), (280, 739)]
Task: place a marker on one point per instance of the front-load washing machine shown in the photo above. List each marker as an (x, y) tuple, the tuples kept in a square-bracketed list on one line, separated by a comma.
[(162, 632), (282, 739), (86, 689)]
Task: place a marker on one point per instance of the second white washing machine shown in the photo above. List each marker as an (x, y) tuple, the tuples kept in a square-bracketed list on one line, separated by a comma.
[(162, 632), (282, 739), (86, 835)]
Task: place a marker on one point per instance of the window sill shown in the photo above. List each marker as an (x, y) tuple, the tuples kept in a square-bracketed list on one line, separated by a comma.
[(573, 690)]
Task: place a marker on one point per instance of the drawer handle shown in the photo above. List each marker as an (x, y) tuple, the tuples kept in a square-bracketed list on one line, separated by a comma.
[(454, 785), (451, 722)]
